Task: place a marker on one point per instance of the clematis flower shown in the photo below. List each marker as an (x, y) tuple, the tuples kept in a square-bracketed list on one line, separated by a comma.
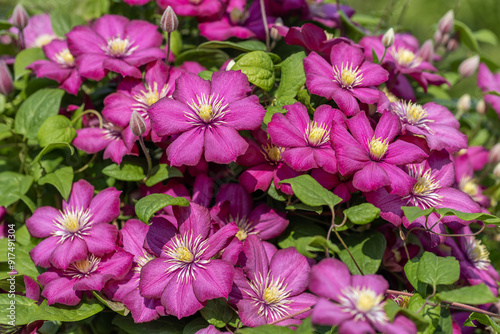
[(465, 178), (433, 121), (60, 66), (135, 95), (38, 32), (266, 290), (126, 290), (433, 188), (234, 204), (488, 82), (207, 116), (114, 140), (308, 141), (198, 8), (185, 276), (353, 303), (346, 79), (266, 165), (90, 274), (81, 227), (113, 43), (373, 155)]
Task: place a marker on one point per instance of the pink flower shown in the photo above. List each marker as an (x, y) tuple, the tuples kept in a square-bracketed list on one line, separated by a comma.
[(38, 32), (80, 228), (488, 82), (206, 116), (197, 8), (346, 79), (113, 43)]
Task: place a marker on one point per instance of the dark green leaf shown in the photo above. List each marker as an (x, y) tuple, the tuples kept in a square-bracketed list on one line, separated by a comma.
[(258, 67), (466, 36), (310, 192), (430, 314), (162, 172), (216, 312), (367, 249), (293, 76), (475, 295), (275, 193), (115, 306), (411, 269), (4, 25), (483, 319), (50, 147), (207, 57), (164, 325), (305, 327), (436, 270), (266, 329), (486, 218), (36, 109), (26, 58), (127, 171), (56, 129), (245, 46), (147, 206), (62, 179), (391, 309), (14, 186), (362, 214), (195, 325)]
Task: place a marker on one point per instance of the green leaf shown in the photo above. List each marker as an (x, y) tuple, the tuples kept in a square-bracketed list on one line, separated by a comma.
[(207, 75), (216, 312), (36, 109), (175, 42), (466, 36), (391, 308), (350, 28), (277, 108), (266, 329), (164, 325), (4, 25), (245, 46), (147, 206), (162, 172), (367, 249), (63, 22), (207, 57), (127, 171), (28, 311), (115, 306), (430, 314), (14, 186), (483, 319), (486, 36), (411, 269), (305, 327), (412, 212), (275, 193), (310, 192), (50, 147), (474, 295), (195, 325), (305, 207), (362, 214), (258, 67), (485, 217), (62, 179), (24, 59), (293, 76), (436, 270), (56, 129)]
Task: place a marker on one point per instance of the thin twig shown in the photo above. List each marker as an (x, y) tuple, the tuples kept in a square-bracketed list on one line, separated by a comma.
[(264, 21), (291, 315)]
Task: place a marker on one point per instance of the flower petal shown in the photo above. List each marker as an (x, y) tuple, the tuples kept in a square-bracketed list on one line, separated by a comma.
[(223, 144), (187, 148), (179, 299), (213, 281), (67, 252), (41, 224), (101, 239), (154, 278), (371, 177), (296, 276)]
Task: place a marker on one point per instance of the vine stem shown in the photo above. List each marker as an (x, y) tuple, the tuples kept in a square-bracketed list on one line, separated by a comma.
[(148, 158), (168, 50), (454, 305), (332, 226), (264, 22), (291, 315)]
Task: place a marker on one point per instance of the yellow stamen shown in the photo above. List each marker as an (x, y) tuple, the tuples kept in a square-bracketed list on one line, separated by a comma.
[(425, 184), (416, 112), (347, 76), (273, 152), (44, 40), (65, 58), (368, 300), (272, 294), (316, 134), (241, 235), (183, 254), (406, 57), (378, 147), (206, 112), (469, 186)]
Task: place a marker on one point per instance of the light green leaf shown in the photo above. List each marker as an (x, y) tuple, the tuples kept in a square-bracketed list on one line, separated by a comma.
[(25, 58), (436, 270), (162, 172), (483, 319), (50, 147), (258, 67), (118, 307), (245, 46), (293, 76), (466, 36), (147, 206), (486, 36), (310, 192), (474, 295), (362, 214), (305, 207), (367, 249), (216, 312), (411, 269), (36, 109), (14, 186), (56, 129), (127, 171), (275, 193), (412, 212), (430, 314), (277, 108), (62, 179), (307, 238)]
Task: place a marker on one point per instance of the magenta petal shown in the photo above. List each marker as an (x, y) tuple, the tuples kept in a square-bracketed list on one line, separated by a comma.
[(189, 86), (296, 276), (193, 219), (300, 302), (328, 278), (61, 291), (83, 40), (121, 67), (41, 253), (142, 309), (267, 222), (179, 299), (249, 315), (67, 252), (346, 101), (328, 313), (90, 65), (361, 129), (257, 178), (144, 34), (283, 133), (298, 116), (32, 288), (203, 189), (376, 283), (401, 153), (326, 159), (133, 235), (343, 53), (101, 239), (300, 159), (213, 281), (118, 108), (110, 26), (187, 148), (91, 140), (143, 57), (160, 232), (366, 95), (168, 117), (154, 278), (105, 206), (41, 224), (80, 197), (371, 177), (355, 327), (401, 183), (116, 266), (256, 258), (220, 239), (388, 127), (223, 145), (319, 76), (373, 74), (245, 114), (351, 155), (232, 85), (72, 83)]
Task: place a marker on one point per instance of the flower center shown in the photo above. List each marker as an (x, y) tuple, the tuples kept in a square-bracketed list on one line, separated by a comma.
[(272, 153), (469, 186), (183, 254), (378, 148), (367, 300), (402, 301), (44, 40), (347, 77), (207, 109), (241, 234), (423, 193), (112, 132), (270, 295), (405, 57), (363, 303), (72, 223), (317, 134), (141, 261), (65, 58), (477, 253), (83, 268), (118, 47), (237, 16), (413, 114)]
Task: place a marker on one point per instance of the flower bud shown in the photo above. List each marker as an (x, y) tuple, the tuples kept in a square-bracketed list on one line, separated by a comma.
[(463, 103), (438, 36), (452, 45), (388, 38), (496, 171), (481, 107), (469, 66), (6, 86), (446, 22), (137, 124), (19, 17), (275, 35), (426, 52), (230, 65), (494, 155), (169, 21)]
